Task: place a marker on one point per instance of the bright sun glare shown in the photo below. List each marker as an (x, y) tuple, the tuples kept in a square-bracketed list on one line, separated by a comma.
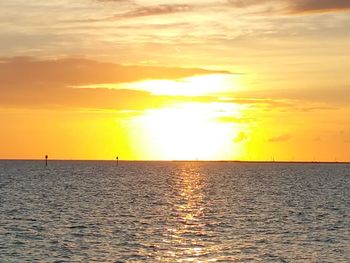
[(186, 132)]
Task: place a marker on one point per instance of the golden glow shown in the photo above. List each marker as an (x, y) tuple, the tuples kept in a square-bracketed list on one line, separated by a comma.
[(148, 58)]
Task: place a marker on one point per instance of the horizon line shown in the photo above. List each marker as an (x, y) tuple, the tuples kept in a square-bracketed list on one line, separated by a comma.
[(132, 160)]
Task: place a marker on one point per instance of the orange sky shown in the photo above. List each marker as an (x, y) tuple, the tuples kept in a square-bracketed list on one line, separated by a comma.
[(210, 80)]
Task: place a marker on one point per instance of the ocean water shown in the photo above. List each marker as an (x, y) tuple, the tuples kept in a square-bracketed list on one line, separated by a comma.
[(174, 212)]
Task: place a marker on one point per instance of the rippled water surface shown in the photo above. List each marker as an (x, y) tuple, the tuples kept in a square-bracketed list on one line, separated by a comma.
[(174, 212)]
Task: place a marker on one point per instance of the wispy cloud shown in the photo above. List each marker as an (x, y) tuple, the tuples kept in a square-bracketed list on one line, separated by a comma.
[(156, 10), (142, 11), (303, 100), (318, 6), (295, 6), (247, 3)]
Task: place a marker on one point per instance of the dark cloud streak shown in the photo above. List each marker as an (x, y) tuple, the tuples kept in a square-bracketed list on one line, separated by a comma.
[(319, 6), (296, 6), (155, 10), (76, 71), (27, 82)]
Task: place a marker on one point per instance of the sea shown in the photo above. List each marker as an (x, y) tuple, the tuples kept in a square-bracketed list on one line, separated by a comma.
[(98, 211)]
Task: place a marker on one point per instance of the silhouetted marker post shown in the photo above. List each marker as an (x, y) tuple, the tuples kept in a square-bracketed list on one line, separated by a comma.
[(117, 158), (46, 157)]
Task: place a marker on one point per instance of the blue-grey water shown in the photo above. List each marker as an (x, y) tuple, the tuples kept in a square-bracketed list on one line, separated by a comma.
[(174, 212)]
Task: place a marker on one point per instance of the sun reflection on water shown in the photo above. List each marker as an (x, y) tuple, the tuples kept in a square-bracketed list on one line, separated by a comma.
[(189, 236)]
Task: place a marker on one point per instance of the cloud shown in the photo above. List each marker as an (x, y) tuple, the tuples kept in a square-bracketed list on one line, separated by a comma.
[(77, 71), (314, 99), (156, 10), (262, 101), (247, 3), (318, 6), (295, 6), (240, 137), (27, 82), (280, 138), (142, 11), (78, 82)]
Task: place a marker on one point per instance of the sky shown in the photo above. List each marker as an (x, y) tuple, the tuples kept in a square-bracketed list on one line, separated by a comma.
[(254, 80)]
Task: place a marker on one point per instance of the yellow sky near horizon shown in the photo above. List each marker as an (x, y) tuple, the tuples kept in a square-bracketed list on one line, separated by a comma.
[(210, 80)]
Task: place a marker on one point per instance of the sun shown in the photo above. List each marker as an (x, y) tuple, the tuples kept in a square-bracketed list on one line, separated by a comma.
[(190, 127), (186, 132)]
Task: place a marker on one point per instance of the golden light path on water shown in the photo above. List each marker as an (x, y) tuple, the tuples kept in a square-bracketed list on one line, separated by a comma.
[(188, 234)]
